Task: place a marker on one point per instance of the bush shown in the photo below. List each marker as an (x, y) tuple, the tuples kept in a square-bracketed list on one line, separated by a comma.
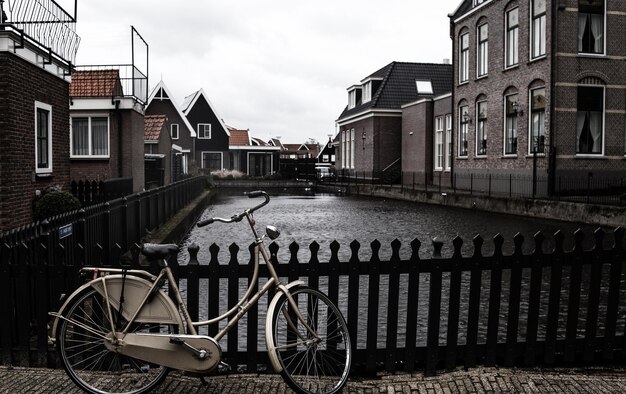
[(54, 203)]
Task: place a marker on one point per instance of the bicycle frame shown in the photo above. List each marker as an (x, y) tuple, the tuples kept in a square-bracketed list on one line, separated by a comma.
[(247, 301)]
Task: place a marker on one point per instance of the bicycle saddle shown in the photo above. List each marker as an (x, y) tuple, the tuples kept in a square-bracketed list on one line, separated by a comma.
[(158, 251)]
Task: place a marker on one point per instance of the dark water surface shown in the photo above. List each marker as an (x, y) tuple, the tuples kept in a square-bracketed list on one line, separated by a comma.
[(325, 218)]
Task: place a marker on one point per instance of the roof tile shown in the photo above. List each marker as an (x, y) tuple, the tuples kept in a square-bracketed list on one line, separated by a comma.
[(96, 83), (153, 126)]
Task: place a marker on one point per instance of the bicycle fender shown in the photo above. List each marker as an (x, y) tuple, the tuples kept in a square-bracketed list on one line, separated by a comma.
[(269, 335), (160, 310)]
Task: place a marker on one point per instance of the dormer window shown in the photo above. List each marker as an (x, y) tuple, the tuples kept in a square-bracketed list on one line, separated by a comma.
[(478, 2), (354, 96), (367, 92), (424, 87)]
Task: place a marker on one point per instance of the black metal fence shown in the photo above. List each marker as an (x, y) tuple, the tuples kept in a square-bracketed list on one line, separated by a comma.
[(559, 306), (587, 189), (93, 192)]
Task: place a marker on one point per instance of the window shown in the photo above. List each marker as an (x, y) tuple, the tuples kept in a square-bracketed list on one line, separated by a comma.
[(591, 26), (174, 131), (483, 50), (464, 58), (448, 141), (510, 124), (367, 92), (537, 120), (90, 136), (212, 161), (352, 98), (481, 132), (477, 2), (463, 123), (43, 138), (439, 143), (424, 87), (512, 37), (204, 131), (343, 150), (590, 120), (352, 141), (538, 29)]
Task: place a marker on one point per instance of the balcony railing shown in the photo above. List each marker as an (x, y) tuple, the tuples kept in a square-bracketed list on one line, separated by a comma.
[(43, 23), (124, 80)]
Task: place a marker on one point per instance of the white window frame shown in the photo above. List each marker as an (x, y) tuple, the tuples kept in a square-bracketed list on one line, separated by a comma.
[(464, 58), (530, 118), (352, 98), (367, 91), (481, 123), (604, 32), (89, 137), (505, 127), (46, 107), (482, 51), (463, 131), (603, 136), (541, 29), (352, 146), (177, 131), (448, 143), (439, 158), (202, 135), (511, 49)]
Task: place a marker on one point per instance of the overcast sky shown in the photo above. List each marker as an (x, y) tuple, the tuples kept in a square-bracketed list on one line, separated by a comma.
[(276, 67)]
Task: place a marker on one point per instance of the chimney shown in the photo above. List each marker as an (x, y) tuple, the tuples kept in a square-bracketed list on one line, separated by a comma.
[(446, 61)]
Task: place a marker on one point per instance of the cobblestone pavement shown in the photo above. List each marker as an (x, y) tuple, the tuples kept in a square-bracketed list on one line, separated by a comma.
[(477, 380)]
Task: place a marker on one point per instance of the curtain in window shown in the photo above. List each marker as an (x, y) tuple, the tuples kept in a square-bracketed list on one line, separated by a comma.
[(589, 132), (80, 136), (99, 137), (582, 24), (597, 29)]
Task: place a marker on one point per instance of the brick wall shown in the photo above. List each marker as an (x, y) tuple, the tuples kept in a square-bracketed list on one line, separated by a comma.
[(21, 84), (498, 82), (417, 140)]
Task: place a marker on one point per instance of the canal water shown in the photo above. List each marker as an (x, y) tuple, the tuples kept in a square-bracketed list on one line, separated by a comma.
[(326, 218)]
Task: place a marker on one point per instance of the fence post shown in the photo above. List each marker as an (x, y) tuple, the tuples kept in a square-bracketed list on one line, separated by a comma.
[(510, 185), (193, 284), (107, 233), (589, 176), (434, 311), (471, 184), (489, 185)]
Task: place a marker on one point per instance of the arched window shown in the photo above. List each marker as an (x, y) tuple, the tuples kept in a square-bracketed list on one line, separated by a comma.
[(481, 126), (538, 28), (537, 127), (511, 41), (482, 50), (464, 120), (511, 113), (590, 117), (464, 56)]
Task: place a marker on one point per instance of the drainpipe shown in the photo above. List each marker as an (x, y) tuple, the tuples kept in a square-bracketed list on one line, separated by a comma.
[(120, 160), (556, 8)]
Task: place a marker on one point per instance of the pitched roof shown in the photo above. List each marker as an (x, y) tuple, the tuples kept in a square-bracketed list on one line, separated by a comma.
[(190, 101), (464, 7), (161, 86), (96, 83), (153, 124), (239, 137), (398, 86)]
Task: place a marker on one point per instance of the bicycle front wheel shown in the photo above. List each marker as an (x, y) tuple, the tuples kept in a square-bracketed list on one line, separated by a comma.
[(81, 344), (311, 363)]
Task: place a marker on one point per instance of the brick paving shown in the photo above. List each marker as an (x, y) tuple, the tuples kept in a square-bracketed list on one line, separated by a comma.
[(477, 380)]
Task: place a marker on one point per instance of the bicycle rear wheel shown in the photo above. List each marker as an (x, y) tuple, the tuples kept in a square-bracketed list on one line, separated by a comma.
[(311, 365), (86, 358)]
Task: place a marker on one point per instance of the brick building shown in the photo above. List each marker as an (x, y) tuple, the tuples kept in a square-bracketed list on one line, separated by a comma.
[(34, 114), (383, 110), (539, 86), (106, 127)]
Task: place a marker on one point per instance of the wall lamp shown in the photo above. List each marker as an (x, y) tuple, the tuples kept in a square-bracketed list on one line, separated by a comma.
[(517, 108), (466, 118)]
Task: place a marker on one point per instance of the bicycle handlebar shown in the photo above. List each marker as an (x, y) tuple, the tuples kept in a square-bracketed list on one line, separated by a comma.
[(239, 217)]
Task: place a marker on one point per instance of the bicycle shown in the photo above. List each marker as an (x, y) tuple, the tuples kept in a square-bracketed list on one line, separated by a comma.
[(121, 333)]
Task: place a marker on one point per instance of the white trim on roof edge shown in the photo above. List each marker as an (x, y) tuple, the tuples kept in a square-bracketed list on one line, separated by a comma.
[(161, 85), (369, 114), (193, 102)]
